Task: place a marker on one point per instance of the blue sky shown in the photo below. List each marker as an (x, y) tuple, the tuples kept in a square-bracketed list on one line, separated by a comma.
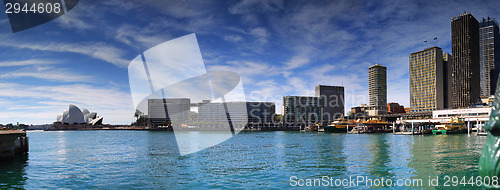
[(278, 47)]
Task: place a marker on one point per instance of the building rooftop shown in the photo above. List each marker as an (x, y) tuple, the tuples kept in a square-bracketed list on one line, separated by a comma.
[(331, 86), (376, 65), (426, 49), (460, 16)]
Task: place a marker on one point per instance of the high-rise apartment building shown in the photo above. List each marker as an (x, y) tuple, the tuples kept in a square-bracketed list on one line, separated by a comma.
[(489, 42), (333, 101), (377, 87), (465, 58), (427, 80)]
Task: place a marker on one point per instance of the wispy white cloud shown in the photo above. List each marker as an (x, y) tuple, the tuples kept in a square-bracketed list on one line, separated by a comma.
[(27, 62), (297, 61), (74, 20), (260, 34), (233, 38), (97, 50), (141, 37), (49, 73), (247, 69)]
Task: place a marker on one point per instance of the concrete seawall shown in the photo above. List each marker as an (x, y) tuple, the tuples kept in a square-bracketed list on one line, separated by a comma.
[(13, 142)]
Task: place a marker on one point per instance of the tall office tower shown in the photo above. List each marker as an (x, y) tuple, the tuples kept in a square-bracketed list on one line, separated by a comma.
[(489, 42), (465, 69), (377, 86), (333, 101), (447, 67), (427, 91)]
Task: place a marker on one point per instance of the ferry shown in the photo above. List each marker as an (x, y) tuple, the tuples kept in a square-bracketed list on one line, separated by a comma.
[(340, 126), (456, 125), (377, 126)]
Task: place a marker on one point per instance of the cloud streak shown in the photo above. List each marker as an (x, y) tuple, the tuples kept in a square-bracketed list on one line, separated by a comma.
[(27, 62), (48, 73), (97, 50)]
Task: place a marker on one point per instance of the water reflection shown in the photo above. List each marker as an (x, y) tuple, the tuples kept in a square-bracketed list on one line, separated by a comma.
[(379, 166), (12, 172)]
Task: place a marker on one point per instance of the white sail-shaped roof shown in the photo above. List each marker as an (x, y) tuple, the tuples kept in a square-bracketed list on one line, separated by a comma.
[(65, 116), (89, 117), (59, 118), (75, 115), (85, 111)]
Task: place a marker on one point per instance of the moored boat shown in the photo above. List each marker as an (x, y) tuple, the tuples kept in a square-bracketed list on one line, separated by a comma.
[(340, 126), (456, 125), (376, 126)]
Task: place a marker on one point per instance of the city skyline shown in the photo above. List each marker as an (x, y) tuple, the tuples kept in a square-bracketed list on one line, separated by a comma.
[(279, 49)]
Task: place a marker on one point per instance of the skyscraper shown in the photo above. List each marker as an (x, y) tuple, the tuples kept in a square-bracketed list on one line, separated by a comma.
[(427, 80), (377, 86), (333, 101), (489, 42), (465, 58)]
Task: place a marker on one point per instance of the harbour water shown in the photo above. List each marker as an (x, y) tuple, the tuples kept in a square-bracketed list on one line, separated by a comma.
[(150, 160)]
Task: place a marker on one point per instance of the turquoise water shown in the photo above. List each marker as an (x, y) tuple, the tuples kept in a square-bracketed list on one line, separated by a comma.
[(150, 160)]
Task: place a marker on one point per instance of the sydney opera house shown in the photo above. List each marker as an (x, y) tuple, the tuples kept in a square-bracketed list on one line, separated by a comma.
[(75, 116)]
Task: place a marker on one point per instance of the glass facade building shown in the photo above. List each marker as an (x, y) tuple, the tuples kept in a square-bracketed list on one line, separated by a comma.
[(488, 52), (465, 58), (333, 101)]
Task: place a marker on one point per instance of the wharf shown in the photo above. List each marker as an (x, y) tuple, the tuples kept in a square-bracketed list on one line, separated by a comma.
[(482, 134), (407, 133), (13, 142)]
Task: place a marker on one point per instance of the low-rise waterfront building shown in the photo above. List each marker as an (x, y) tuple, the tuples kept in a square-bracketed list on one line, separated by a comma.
[(168, 110), (469, 114), (301, 111), (472, 116), (243, 114), (360, 111), (407, 109), (395, 108)]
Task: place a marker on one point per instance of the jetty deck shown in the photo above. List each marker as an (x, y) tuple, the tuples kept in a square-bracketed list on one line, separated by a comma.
[(13, 142)]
